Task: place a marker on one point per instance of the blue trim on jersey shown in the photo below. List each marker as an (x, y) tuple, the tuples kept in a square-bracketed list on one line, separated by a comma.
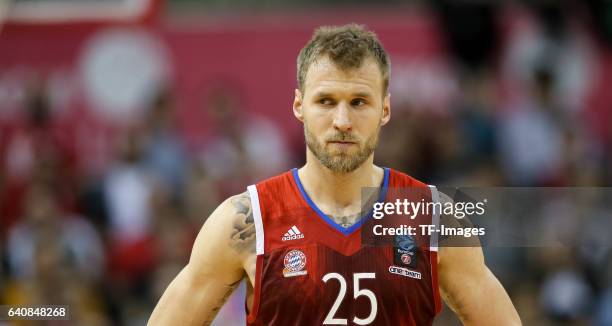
[(343, 230)]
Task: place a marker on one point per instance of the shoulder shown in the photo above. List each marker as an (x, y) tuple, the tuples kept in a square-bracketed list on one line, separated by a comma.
[(239, 204), (230, 228), (232, 208), (225, 241), (241, 223)]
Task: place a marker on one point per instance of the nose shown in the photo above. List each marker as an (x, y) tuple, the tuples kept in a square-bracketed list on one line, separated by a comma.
[(342, 119)]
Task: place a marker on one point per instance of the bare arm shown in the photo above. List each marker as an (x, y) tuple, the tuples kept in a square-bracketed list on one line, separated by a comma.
[(469, 288), (215, 267)]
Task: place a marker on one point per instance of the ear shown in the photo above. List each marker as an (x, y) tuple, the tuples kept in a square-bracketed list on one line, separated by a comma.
[(297, 105), (386, 114)]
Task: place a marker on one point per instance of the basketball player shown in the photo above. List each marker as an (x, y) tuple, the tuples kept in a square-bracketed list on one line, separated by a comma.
[(295, 237)]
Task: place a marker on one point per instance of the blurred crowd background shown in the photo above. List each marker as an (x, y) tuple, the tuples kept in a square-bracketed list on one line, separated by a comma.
[(124, 123)]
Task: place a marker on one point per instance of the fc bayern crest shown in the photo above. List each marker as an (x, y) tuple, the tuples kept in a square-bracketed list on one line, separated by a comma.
[(295, 261)]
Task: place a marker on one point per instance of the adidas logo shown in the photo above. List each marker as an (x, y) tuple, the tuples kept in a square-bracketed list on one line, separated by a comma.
[(293, 234)]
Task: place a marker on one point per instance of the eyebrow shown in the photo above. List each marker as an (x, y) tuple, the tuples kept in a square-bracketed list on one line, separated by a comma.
[(358, 94), (362, 94), (323, 94)]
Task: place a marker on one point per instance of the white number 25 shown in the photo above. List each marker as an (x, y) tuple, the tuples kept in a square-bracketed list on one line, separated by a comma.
[(330, 319)]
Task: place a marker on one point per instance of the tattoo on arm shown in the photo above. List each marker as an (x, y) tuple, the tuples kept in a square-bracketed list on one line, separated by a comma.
[(221, 302), (243, 234)]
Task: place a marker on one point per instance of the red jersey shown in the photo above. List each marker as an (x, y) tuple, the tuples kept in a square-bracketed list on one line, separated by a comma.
[(312, 271)]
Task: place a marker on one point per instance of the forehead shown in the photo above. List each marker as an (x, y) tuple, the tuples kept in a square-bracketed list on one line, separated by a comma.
[(325, 75)]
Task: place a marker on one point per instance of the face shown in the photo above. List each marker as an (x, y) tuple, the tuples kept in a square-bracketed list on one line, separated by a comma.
[(342, 112)]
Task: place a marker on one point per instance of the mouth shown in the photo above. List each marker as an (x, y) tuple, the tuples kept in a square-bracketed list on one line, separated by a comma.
[(341, 142), (342, 145)]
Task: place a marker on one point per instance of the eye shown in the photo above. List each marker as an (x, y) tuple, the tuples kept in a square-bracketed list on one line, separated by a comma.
[(326, 101), (358, 102)]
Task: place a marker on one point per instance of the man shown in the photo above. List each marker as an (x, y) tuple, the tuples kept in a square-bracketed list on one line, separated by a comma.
[(294, 237)]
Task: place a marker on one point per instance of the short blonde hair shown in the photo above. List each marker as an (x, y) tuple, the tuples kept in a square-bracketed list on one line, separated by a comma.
[(347, 46)]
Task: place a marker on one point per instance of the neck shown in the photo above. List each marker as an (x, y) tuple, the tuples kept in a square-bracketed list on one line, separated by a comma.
[(338, 192)]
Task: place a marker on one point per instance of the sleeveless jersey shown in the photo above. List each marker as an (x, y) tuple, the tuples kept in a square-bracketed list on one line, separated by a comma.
[(312, 271)]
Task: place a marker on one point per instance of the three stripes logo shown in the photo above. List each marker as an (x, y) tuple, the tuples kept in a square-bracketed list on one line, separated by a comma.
[(293, 234)]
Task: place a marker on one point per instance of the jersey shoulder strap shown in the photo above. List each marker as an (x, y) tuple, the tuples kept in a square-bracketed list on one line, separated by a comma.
[(399, 179), (270, 199)]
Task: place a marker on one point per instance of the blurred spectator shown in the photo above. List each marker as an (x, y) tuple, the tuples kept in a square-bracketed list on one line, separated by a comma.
[(566, 296), (246, 146), (476, 133), (128, 189), (531, 136), (55, 259), (35, 148), (44, 223), (476, 114), (55, 281), (164, 154), (546, 40), (36, 137)]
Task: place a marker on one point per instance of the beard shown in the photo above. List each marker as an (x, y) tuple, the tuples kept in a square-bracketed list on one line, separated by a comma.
[(340, 161)]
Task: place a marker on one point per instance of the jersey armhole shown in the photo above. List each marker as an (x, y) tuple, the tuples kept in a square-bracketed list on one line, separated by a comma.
[(435, 217), (259, 249), (433, 248), (259, 231)]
